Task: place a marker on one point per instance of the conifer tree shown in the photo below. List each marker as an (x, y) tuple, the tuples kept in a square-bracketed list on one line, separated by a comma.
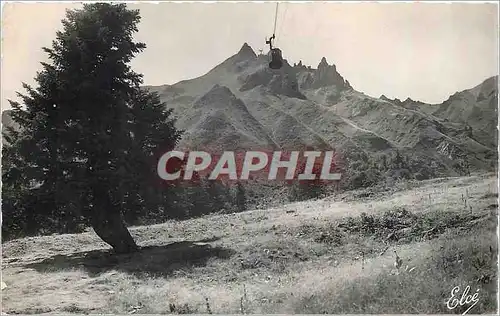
[(89, 136)]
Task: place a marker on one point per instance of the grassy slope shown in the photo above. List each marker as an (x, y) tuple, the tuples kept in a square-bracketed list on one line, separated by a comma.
[(300, 258)]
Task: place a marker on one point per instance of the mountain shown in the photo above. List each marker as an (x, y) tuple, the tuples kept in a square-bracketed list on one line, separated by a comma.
[(242, 104)]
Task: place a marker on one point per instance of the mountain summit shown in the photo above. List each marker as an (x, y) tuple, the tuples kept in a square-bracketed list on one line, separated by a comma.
[(324, 76), (247, 51)]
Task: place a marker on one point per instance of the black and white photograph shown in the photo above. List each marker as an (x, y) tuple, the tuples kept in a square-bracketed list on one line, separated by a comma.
[(249, 157)]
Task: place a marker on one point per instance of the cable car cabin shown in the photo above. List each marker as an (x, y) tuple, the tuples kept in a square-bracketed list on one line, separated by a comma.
[(276, 59)]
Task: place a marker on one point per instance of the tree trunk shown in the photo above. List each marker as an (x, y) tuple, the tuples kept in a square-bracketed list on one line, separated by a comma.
[(108, 224)]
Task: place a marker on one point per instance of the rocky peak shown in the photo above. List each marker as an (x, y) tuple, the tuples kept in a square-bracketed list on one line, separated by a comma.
[(246, 51), (326, 75), (323, 63), (300, 66)]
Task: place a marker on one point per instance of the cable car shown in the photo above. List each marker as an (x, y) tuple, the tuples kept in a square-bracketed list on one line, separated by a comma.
[(275, 55), (276, 61)]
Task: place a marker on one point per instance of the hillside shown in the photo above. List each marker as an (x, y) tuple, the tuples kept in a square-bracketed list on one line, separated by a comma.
[(322, 256)]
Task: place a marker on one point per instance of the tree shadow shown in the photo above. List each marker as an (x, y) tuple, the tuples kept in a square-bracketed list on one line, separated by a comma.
[(148, 261)]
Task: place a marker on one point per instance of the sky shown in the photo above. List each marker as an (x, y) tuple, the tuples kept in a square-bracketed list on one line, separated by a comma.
[(425, 51)]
